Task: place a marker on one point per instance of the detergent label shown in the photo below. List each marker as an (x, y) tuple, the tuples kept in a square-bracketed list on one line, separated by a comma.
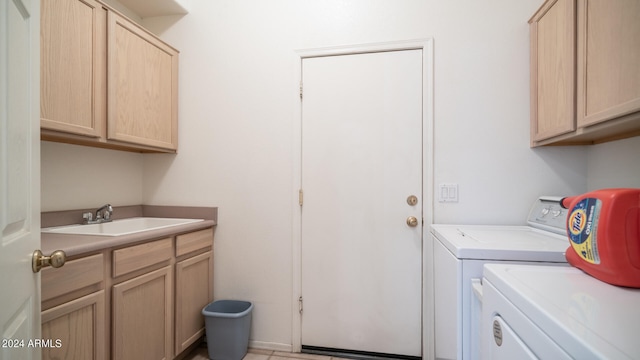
[(582, 225)]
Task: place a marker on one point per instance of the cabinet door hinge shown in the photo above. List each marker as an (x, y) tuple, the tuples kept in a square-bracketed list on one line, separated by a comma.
[(300, 304), (300, 197), (300, 90)]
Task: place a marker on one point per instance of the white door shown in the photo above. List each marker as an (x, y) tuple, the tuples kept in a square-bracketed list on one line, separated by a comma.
[(19, 177), (361, 261)]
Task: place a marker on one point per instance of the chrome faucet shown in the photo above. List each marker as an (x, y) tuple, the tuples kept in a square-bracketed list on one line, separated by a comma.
[(103, 214)]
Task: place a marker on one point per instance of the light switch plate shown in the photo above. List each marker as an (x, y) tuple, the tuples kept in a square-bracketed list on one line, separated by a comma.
[(448, 192)]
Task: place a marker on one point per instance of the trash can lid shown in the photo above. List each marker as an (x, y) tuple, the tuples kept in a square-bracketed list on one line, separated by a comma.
[(227, 308)]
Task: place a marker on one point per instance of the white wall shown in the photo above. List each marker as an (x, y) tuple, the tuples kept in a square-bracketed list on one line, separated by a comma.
[(236, 101), (614, 164), (237, 91), (80, 177), (237, 97), (482, 115)]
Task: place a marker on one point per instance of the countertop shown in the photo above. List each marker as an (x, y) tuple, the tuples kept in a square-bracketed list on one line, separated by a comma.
[(74, 245)]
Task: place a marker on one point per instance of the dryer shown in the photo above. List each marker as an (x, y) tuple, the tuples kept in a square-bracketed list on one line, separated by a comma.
[(549, 312), (461, 251)]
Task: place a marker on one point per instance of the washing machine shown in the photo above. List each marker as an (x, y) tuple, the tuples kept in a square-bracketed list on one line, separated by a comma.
[(548, 312), (461, 251)]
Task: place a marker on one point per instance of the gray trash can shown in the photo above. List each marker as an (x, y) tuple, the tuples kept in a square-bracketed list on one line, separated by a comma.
[(227, 324)]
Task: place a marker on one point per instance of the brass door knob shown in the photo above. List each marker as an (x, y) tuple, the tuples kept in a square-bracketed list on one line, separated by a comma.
[(56, 260), (412, 221)]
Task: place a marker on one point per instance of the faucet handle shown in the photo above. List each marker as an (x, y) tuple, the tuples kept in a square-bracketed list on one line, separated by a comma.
[(87, 217)]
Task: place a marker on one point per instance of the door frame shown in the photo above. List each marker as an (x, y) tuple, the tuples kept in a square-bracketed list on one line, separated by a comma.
[(426, 45)]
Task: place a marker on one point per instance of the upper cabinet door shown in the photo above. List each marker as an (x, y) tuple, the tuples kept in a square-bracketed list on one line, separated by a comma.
[(73, 43), (143, 85), (608, 60), (552, 70)]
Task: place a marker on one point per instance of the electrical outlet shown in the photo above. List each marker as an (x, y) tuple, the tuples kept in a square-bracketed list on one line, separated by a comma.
[(448, 192)]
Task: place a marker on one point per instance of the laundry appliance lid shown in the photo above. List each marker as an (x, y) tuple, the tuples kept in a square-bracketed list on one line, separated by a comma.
[(494, 242), (586, 317)]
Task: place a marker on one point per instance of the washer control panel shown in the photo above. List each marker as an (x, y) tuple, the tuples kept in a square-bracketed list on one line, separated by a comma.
[(547, 214)]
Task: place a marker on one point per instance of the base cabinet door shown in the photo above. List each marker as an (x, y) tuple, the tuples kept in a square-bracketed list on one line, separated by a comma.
[(194, 290), (75, 329), (142, 317)]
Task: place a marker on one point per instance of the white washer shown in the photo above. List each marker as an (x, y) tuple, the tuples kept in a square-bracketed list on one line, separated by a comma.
[(460, 252), (548, 312)]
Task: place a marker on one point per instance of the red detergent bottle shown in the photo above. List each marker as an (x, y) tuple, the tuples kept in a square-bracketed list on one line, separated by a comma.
[(604, 231)]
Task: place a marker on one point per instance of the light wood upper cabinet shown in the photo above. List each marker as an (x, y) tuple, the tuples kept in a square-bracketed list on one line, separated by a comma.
[(73, 83), (608, 60), (143, 84), (106, 81), (552, 70), (585, 78)]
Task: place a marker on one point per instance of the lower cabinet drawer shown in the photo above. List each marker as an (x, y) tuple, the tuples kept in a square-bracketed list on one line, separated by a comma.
[(138, 257), (74, 275), (196, 240)]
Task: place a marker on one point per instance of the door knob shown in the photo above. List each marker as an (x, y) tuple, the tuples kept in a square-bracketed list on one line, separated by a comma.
[(412, 221), (56, 260), (412, 200)]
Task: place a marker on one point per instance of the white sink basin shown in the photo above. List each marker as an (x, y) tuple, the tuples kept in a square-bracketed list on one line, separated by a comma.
[(120, 227)]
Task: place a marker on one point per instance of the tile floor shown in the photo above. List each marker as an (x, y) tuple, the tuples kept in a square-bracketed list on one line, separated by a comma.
[(201, 353)]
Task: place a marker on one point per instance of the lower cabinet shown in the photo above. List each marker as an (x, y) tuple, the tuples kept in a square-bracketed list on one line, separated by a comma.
[(192, 297), (74, 310), (142, 317), (75, 329), (136, 302)]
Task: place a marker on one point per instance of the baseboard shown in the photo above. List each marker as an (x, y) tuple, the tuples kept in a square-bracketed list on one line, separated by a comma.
[(270, 346)]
